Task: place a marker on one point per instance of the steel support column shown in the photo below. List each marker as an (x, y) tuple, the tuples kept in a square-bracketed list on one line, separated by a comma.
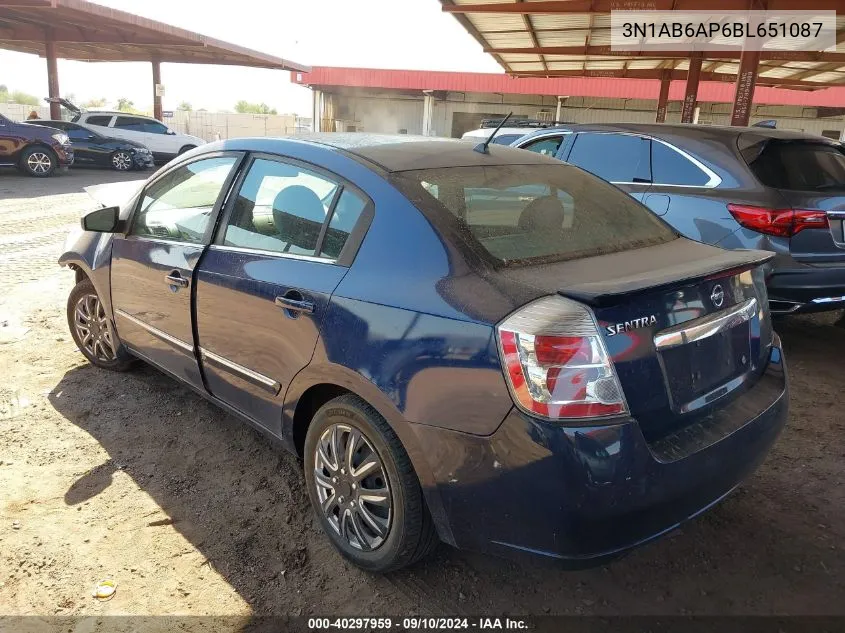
[(691, 94), (428, 114), (746, 80), (158, 113), (663, 99), (53, 80)]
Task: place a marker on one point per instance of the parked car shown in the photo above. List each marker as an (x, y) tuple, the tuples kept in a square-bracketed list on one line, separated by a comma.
[(92, 148), (732, 187), (515, 129), (164, 143), (494, 350), (34, 150)]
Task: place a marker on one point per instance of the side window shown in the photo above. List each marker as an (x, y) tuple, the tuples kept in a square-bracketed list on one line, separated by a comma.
[(179, 205), (669, 167), (130, 123), (154, 127), (280, 208), (76, 133), (614, 157), (99, 119), (349, 208), (547, 146)]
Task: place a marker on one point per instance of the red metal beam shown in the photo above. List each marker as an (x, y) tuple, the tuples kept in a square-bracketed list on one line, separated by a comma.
[(691, 92), (605, 6), (745, 82), (663, 98), (158, 113), (675, 74), (53, 80), (793, 56)]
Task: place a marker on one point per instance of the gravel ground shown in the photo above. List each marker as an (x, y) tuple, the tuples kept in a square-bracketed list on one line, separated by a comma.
[(133, 477)]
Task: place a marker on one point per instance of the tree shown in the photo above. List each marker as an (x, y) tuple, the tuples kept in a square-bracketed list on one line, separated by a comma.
[(125, 105), (245, 107), (95, 103), (18, 96), (185, 106)]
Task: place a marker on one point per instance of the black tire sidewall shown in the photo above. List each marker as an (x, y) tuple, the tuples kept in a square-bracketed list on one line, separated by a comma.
[(124, 360), (24, 165), (385, 555), (186, 148)]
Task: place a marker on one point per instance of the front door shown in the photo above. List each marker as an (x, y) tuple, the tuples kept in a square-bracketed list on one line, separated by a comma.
[(265, 283), (153, 265)]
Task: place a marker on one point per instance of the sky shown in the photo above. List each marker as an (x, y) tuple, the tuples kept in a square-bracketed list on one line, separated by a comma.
[(403, 34)]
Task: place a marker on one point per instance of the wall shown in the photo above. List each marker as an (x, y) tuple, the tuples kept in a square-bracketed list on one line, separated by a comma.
[(390, 112)]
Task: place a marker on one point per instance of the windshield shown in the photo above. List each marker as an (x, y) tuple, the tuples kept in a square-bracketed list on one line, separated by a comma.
[(524, 214), (798, 165)]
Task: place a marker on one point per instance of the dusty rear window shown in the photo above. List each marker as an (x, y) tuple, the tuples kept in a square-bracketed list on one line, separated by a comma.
[(522, 214), (796, 165)]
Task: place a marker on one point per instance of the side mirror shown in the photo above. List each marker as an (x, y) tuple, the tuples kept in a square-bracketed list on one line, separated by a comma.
[(105, 220)]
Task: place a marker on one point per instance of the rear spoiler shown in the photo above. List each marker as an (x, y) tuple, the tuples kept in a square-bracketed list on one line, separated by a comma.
[(671, 269)]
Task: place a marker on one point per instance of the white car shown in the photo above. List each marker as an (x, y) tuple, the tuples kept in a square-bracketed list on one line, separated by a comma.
[(163, 142), (508, 134)]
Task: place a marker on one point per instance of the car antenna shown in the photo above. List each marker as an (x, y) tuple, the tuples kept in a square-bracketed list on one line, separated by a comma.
[(481, 148)]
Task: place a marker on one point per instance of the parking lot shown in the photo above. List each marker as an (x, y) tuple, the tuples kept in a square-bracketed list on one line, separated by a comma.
[(133, 477)]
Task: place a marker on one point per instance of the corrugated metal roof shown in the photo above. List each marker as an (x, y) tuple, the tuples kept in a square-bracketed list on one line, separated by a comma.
[(581, 27), (324, 77)]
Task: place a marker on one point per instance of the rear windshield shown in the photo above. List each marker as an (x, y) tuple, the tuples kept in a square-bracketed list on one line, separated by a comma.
[(797, 165), (524, 214)]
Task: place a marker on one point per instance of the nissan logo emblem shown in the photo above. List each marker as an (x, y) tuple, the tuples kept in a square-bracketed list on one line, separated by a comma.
[(717, 296)]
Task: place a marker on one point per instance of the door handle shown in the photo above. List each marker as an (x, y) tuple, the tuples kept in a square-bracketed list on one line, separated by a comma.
[(175, 279), (295, 305)]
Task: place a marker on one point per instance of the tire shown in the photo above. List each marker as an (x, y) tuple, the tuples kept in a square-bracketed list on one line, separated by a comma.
[(409, 533), (187, 148), (121, 160), (105, 350), (38, 161)]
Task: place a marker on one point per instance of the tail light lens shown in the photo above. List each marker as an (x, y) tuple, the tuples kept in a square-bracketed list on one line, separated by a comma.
[(778, 222), (555, 361)]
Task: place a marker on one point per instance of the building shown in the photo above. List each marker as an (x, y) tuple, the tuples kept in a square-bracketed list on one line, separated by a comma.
[(449, 104)]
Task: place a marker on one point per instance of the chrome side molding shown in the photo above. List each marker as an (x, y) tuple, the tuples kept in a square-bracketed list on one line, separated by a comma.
[(164, 336), (240, 371), (703, 327)]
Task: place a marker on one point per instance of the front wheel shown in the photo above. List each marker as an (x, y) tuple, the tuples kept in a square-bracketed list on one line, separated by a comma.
[(92, 329), (364, 489), (121, 160), (38, 161)]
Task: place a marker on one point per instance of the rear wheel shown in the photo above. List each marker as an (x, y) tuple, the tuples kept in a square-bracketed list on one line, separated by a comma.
[(364, 489), (121, 160), (38, 161), (92, 329)]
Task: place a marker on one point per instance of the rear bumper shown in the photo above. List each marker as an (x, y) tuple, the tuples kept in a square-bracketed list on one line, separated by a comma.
[(809, 289), (586, 494)]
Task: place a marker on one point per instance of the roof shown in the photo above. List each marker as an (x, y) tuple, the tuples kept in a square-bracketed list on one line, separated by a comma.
[(90, 32), (394, 152), (571, 38), (328, 77), (692, 130)]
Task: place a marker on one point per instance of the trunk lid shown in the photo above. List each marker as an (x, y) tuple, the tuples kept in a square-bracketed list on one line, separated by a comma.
[(685, 324)]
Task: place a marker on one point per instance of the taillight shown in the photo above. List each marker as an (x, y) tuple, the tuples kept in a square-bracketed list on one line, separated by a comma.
[(555, 361), (779, 222)]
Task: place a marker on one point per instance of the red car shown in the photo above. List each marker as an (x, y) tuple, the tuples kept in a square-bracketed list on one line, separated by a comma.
[(36, 150)]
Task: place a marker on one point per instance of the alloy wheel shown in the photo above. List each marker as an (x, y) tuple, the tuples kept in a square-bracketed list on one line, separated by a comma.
[(39, 163), (121, 161), (93, 328), (352, 487)]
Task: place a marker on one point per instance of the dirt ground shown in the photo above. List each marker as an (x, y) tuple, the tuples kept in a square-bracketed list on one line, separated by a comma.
[(134, 478)]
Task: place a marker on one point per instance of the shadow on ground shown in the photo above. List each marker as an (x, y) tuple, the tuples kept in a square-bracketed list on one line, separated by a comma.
[(774, 547)]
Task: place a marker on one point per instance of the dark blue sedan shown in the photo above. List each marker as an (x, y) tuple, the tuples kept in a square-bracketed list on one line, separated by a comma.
[(495, 350)]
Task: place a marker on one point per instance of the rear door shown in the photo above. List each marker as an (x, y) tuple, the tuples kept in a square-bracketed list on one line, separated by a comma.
[(152, 271), (621, 159), (101, 123), (808, 176), (285, 242)]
